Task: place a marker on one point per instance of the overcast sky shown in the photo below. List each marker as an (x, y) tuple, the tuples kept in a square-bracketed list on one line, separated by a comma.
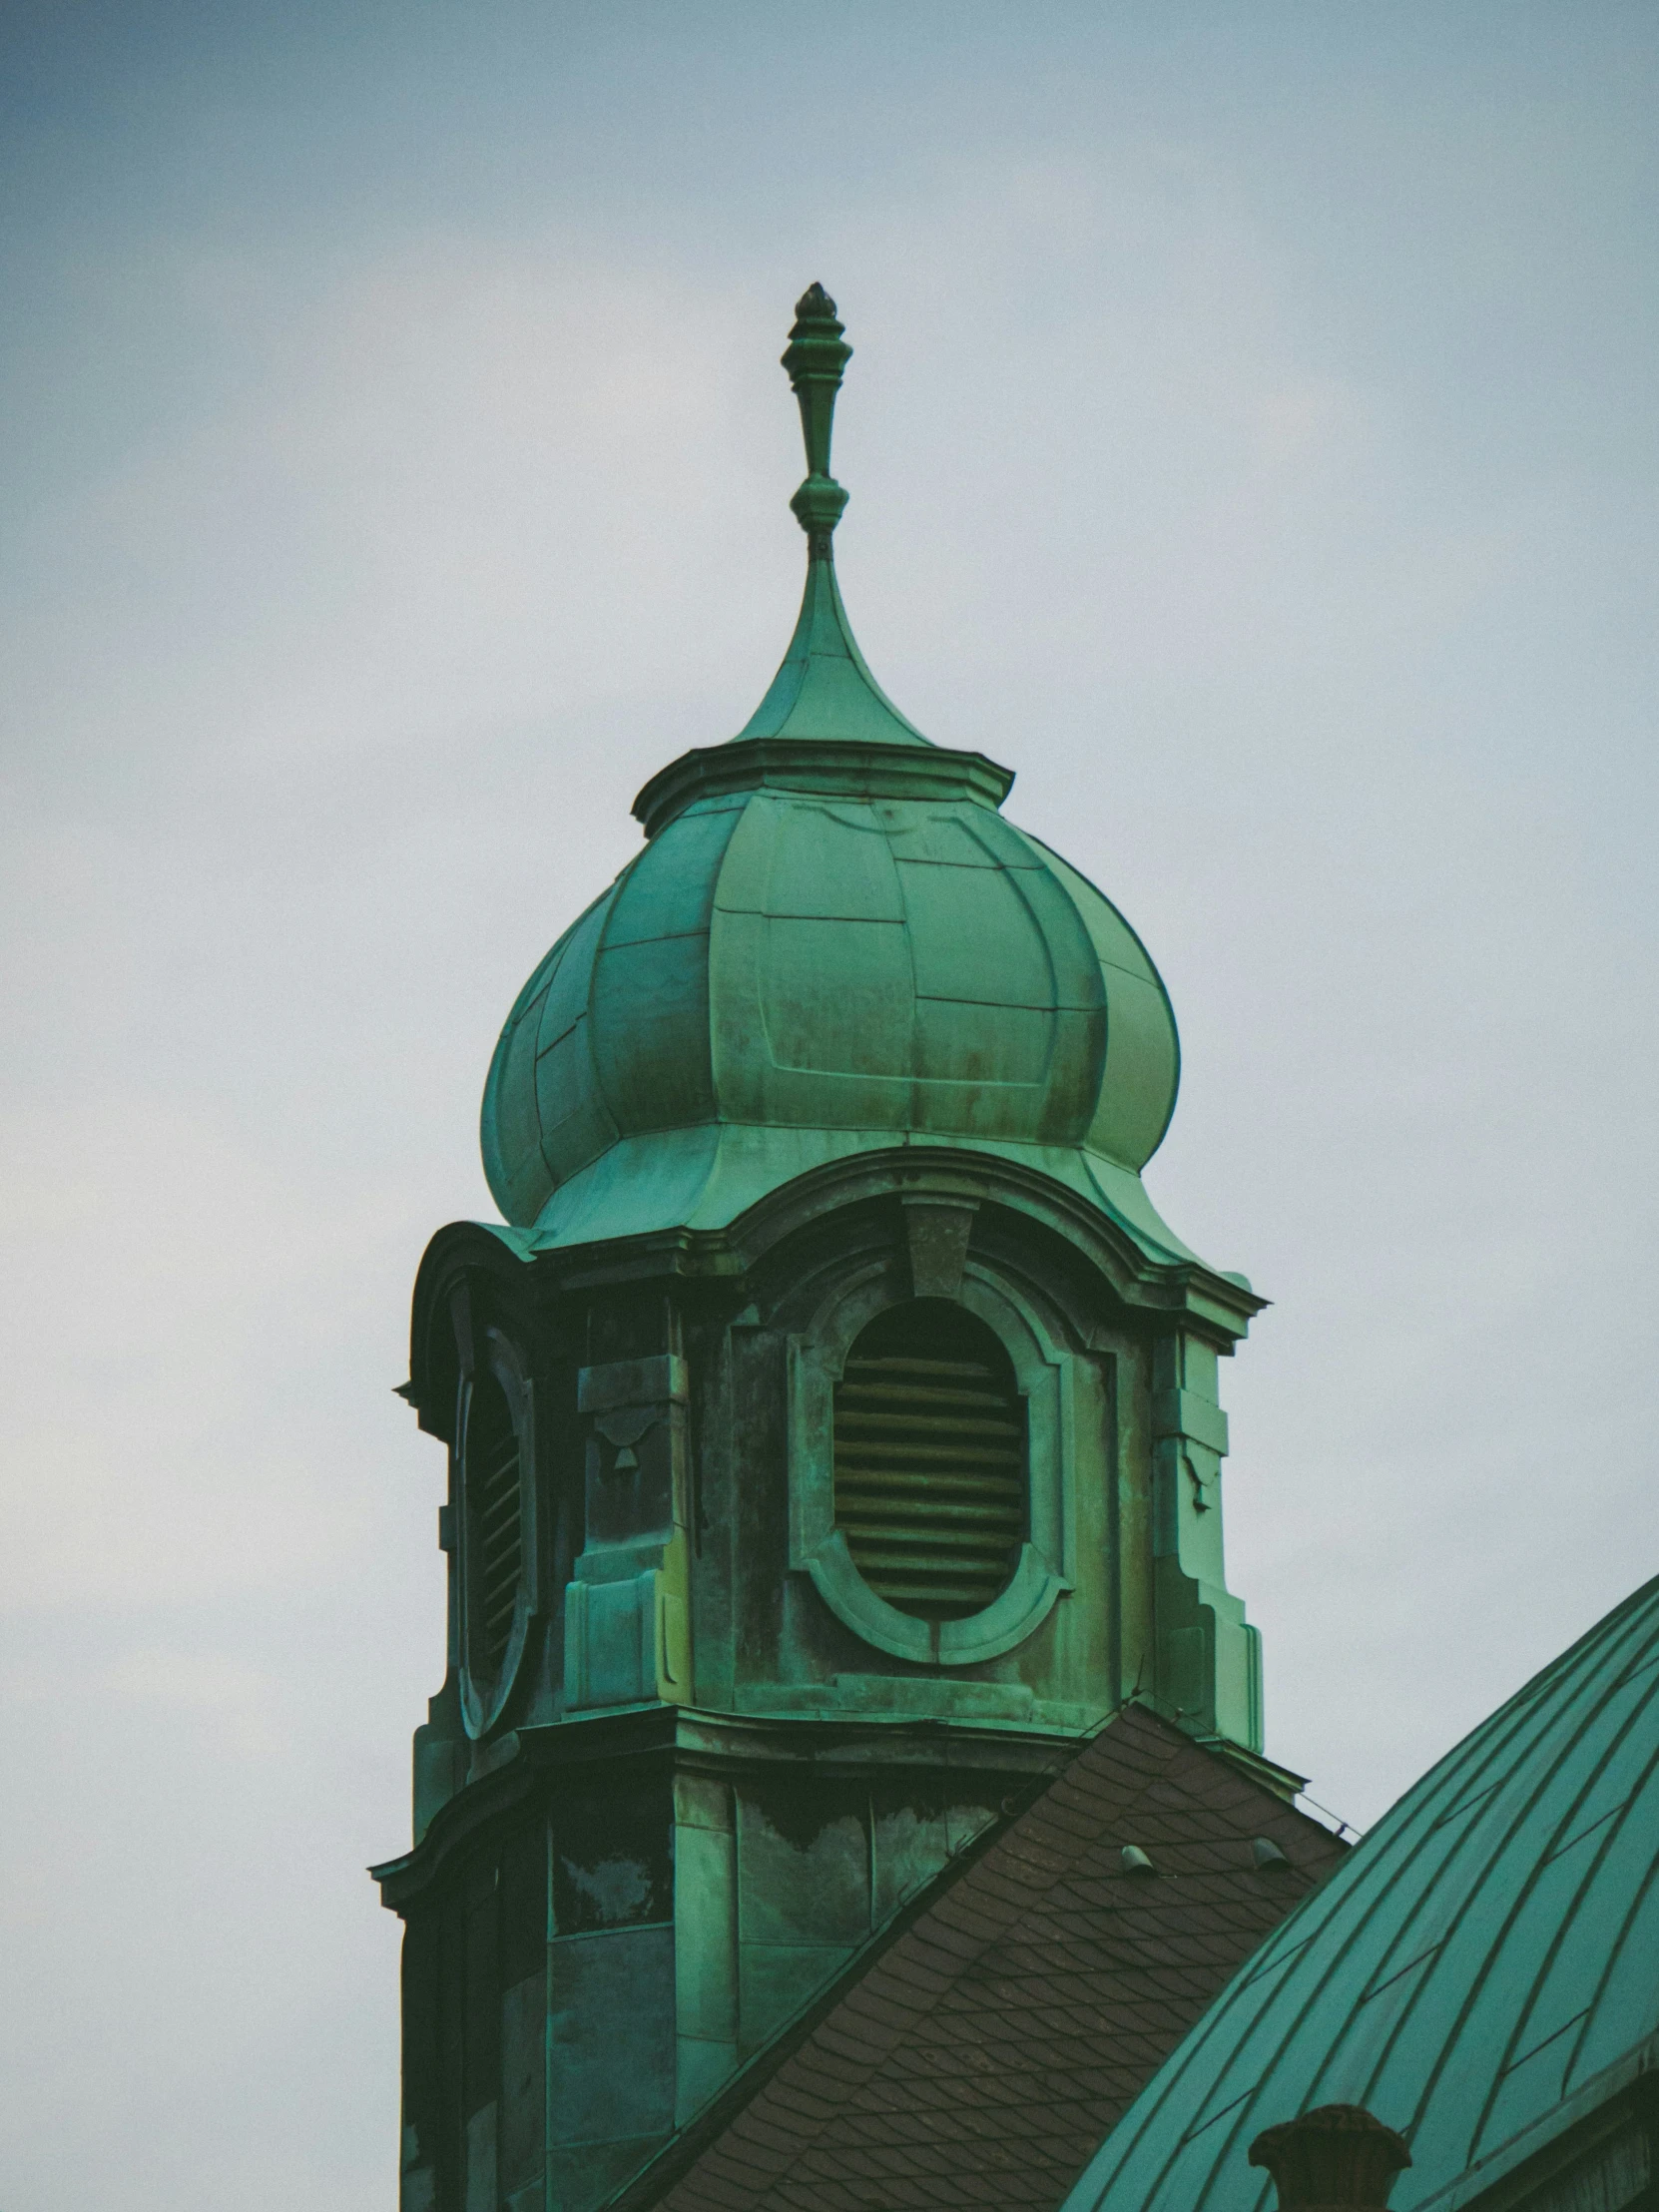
[(1252, 442)]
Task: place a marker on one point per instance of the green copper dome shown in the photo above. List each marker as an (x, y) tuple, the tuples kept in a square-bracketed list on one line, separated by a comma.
[(831, 942), (1478, 1974)]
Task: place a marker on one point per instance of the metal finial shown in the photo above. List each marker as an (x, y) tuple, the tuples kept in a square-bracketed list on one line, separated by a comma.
[(817, 358)]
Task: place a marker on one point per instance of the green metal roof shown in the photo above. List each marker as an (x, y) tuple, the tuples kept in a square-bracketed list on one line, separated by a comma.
[(831, 943), (824, 688), (879, 970), (1478, 1974)]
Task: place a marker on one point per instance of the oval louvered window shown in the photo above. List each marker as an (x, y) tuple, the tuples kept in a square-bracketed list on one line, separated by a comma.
[(930, 1471), (494, 1524)]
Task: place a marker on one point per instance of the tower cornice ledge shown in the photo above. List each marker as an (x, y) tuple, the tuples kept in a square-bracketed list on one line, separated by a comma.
[(662, 1740), (1215, 1304)]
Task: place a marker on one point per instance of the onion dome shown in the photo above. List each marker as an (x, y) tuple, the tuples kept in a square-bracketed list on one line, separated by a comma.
[(833, 941)]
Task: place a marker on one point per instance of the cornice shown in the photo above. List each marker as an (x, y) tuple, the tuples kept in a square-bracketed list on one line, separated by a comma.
[(1219, 1307), (836, 768), (698, 1740)]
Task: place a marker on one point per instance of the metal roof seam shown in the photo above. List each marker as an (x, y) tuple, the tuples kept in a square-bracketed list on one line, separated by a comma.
[(1565, 1922)]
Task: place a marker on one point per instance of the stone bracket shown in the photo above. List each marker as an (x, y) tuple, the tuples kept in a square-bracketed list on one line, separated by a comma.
[(627, 1616), (1197, 1419), (660, 1380)]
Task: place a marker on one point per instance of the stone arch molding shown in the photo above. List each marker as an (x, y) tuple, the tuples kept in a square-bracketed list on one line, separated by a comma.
[(1045, 1375)]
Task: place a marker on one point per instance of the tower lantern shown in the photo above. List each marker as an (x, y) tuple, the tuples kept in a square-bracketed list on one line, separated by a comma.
[(833, 1422)]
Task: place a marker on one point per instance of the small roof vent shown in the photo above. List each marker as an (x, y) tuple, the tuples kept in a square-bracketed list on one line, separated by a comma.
[(1135, 1861)]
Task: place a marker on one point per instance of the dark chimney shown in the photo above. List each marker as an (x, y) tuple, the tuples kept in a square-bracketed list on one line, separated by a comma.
[(1334, 2156)]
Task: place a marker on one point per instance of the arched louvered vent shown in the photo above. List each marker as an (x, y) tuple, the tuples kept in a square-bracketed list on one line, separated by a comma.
[(930, 1470), (494, 1523)]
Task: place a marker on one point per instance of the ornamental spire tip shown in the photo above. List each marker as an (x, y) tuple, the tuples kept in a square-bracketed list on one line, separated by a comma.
[(816, 359)]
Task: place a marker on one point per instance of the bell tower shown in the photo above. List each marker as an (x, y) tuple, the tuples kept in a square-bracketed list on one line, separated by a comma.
[(833, 1422)]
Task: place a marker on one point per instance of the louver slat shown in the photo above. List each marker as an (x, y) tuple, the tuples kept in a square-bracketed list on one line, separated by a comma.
[(498, 1533), (931, 1484)]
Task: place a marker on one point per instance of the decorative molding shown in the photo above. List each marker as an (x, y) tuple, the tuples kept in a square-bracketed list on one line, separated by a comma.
[(845, 768), (660, 1380), (937, 1231), (1046, 1566)]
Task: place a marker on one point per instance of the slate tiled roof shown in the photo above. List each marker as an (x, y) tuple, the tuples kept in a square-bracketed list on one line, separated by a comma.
[(981, 2054)]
